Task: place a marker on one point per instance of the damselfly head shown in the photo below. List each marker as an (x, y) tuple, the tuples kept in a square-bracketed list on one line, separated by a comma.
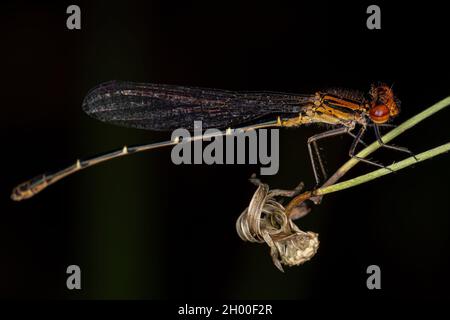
[(383, 104)]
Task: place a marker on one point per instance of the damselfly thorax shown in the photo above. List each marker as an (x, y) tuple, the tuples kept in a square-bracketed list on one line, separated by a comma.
[(167, 107)]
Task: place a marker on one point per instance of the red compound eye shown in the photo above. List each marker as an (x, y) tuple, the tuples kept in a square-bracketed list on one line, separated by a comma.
[(379, 113)]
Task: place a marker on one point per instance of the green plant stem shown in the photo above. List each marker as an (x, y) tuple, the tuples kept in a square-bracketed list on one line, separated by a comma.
[(382, 172)]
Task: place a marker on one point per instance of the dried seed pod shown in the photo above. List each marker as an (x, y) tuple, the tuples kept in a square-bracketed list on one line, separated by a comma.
[(265, 220)]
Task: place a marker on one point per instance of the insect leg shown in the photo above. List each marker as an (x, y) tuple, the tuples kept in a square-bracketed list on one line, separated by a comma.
[(384, 145), (313, 141), (352, 150), (360, 139), (388, 125)]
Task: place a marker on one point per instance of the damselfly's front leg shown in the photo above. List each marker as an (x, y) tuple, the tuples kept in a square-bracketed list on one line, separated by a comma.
[(386, 125), (387, 146), (352, 150)]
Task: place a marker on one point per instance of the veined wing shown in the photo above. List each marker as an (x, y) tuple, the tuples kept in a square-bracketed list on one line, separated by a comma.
[(167, 107)]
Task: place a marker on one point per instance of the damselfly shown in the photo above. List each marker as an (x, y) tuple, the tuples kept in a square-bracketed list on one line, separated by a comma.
[(167, 107)]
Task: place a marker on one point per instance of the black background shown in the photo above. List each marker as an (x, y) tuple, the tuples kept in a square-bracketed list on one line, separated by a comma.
[(141, 227)]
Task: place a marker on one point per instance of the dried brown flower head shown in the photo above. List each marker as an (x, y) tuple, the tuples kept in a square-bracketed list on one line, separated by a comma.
[(265, 220)]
